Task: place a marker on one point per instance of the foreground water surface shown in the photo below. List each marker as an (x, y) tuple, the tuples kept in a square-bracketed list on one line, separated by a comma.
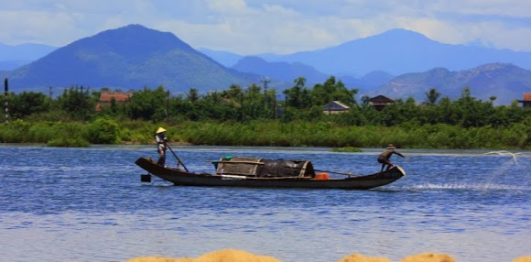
[(62, 205)]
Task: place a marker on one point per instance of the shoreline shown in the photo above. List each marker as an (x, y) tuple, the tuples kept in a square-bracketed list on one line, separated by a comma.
[(282, 148), (232, 255)]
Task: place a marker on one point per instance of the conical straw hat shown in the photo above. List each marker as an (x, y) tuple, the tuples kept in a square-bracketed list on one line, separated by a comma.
[(160, 130)]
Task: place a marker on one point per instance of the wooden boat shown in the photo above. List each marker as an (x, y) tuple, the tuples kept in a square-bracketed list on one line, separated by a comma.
[(262, 173)]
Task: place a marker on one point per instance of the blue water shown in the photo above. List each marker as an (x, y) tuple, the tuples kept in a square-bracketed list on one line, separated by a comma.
[(86, 205)]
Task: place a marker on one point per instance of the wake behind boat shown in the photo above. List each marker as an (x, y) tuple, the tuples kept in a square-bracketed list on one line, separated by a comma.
[(264, 173)]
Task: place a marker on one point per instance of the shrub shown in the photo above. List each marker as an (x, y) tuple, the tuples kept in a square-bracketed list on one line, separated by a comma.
[(68, 142), (104, 131), (15, 132)]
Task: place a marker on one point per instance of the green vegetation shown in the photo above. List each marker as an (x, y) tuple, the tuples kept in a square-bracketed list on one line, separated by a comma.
[(347, 149), (253, 117)]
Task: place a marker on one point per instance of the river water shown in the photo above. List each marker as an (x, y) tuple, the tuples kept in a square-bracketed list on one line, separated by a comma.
[(64, 204)]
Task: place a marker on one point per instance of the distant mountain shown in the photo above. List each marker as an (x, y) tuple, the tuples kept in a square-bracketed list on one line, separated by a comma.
[(4, 74), (367, 82), (12, 57), (505, 81), (12, 64), (28, 52), (133, 56), (130, 57), (227, 59), (376, 78), (400, 51), (283, 71)]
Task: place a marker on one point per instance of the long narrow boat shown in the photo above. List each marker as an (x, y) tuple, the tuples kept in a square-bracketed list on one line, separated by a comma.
[(262, 173)]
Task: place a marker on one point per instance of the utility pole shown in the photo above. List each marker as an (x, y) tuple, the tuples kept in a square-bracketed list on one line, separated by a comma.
[(265, 81), (6, 105)]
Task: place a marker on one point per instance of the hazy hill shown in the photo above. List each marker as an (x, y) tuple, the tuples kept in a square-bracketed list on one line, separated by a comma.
[(367, 82), (12, 57), (225, 58), (400, 51), (130, 57), (282, 71), (27, 52), (505, 81), (285, 73), (376, 78), (12, 64)]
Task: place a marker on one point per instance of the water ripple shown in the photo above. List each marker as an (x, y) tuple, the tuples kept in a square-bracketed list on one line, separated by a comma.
[(89, 205)]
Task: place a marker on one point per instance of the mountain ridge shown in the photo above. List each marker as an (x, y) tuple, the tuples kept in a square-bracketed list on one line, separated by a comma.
[(282, 71), (133, 56), (128, 57), (400, 51), (506, 82), (19, 55)]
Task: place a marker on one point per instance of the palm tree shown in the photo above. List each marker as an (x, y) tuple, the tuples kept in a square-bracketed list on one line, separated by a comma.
[(432, 95), (193, 95)]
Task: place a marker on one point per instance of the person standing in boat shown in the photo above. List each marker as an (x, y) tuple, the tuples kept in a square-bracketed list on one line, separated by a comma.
[(161, 139), (384, 157)]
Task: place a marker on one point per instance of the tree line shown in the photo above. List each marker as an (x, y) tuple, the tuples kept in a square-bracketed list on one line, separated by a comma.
[(255, 116), (298, 103)]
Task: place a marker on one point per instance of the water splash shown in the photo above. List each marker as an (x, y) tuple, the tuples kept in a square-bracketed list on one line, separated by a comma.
[(465, 186), (507, 153), (505, 167)]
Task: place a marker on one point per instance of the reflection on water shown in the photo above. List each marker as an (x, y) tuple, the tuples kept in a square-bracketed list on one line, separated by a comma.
[(89, 205)]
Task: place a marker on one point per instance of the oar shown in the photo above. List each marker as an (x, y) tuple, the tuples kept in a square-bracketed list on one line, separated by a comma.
[(178, 159), (334, 172)]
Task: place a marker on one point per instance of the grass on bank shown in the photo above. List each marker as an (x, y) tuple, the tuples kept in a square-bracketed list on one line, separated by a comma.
[(268, 133)]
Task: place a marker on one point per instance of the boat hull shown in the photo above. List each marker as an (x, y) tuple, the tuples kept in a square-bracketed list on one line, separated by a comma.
[(183, 178)]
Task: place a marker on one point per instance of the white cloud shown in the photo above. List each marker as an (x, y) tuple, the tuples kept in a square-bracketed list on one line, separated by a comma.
[(36, 27), (228, 7), (511, 8), (278, 26)]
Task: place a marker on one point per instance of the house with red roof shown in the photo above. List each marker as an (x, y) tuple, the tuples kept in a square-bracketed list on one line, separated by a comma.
[(526, 101), (106, 98)]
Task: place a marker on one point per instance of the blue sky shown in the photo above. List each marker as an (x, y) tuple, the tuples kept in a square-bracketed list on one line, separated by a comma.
[(272, 26)]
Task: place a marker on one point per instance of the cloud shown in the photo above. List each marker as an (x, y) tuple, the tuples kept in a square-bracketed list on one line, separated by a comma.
[(497, 8), (276, 26)]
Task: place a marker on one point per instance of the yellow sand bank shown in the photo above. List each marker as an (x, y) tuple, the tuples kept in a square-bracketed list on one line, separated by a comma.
[(228, 255), (231, 255)]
